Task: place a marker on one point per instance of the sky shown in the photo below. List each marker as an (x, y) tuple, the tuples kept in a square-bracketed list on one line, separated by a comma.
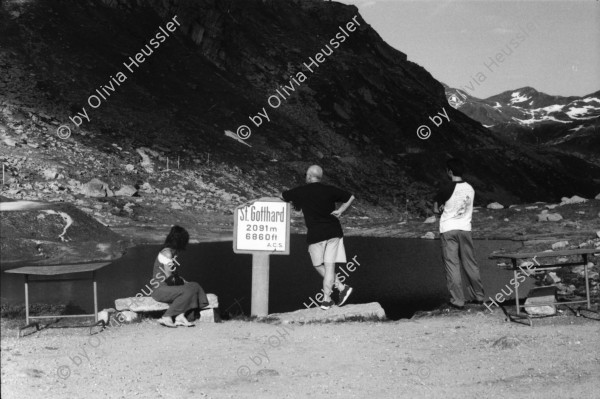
[(552, 46)]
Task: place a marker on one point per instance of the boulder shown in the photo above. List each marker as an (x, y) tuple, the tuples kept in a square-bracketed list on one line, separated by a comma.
[(146, 187), (105, 314), (549, 217), (428, 236), (371, 310), (126, 191), (96, 188), (598, 197), (554, 217), (551, 278), (127, 316), (146, 163), (8, 141), (560, 244), (130, 307), (49, 174), (573, 200), (148, 304), (430, 219), (580, 270), (537, 300), (495, 205)]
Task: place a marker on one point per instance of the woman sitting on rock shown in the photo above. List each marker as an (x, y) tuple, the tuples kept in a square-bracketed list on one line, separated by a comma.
[(183, 296)]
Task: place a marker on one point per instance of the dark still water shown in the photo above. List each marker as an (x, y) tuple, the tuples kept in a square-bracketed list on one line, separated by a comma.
[(403, 275)]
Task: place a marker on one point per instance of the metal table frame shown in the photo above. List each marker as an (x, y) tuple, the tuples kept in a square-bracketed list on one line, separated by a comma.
[(56, 270), (534, 255)]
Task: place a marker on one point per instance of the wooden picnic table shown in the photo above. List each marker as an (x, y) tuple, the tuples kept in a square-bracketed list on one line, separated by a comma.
[(583, 253), (56, 270)]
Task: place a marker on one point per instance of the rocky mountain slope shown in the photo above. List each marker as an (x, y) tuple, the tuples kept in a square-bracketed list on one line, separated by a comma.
[(162, 125), (526, 115)]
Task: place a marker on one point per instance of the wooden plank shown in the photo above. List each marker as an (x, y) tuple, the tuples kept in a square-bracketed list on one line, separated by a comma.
[(59, 269), (548, 254)]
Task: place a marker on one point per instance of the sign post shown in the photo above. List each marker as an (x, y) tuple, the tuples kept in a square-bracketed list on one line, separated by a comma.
[(261, 228)]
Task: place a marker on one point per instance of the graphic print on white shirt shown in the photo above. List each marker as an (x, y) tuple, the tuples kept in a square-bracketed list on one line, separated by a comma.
[(463, 206), (458, 210)]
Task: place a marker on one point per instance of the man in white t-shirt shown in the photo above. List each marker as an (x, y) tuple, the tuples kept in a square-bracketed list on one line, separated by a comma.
[(455, 201)]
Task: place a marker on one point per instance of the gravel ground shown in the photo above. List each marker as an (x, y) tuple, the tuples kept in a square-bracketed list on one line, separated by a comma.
[(450, 355)]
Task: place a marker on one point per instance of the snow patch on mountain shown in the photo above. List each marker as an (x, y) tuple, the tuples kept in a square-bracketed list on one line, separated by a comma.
[(576, 112), (551, 108), (518, 98)]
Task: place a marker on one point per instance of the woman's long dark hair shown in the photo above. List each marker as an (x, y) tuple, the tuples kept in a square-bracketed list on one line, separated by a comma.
[(177, 239)]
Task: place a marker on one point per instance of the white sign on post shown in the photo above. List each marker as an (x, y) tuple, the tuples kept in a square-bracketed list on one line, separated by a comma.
[(263, 225), (261, 228)]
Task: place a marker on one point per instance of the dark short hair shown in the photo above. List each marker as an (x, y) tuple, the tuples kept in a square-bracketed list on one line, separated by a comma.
[(456, 166), (177, 238)]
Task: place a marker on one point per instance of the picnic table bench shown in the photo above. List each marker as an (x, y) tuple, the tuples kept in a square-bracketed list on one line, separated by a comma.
[(582, 253), (57, 270)]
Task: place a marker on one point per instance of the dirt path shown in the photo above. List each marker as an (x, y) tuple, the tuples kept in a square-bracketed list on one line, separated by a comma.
[(466, 356)]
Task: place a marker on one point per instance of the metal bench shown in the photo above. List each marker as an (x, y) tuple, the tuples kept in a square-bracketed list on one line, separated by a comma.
[(583, 253)]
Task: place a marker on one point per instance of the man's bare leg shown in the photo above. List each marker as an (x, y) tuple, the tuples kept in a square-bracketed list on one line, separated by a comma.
[(328, 280), (337, 283)]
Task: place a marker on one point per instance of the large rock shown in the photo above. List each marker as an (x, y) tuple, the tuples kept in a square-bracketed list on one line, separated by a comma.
[(430, 219), (146, 163), (126, 191), (537, 300), (335, 313), (560, 244), (549, 217), (573, 200), (8, 141), (554, 217), (148, 304), (551, 278), (495, 205), (428, 236), (96, 188), (49, 174)]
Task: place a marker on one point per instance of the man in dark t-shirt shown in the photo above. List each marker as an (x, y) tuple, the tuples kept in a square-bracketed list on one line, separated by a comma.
[(325, 237)]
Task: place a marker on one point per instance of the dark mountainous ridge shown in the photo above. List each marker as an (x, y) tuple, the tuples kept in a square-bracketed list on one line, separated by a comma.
[(356, 113)]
